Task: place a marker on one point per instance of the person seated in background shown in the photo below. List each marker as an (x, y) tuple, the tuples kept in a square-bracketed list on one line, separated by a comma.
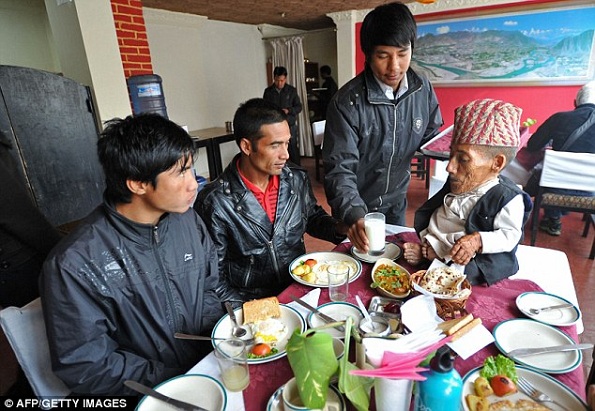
[(138, 269), (558, 130), (477, 218), (26, 236), (259, 208)]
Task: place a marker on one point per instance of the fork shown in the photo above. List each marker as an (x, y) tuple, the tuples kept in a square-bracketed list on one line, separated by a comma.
[(528, 389)]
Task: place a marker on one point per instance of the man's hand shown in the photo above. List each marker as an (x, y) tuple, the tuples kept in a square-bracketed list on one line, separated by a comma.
[(357, 236), (465, 248)]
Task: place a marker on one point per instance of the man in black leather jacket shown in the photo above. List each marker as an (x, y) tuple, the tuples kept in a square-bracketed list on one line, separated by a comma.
[(375, 123), (259, 208), (138, 269)]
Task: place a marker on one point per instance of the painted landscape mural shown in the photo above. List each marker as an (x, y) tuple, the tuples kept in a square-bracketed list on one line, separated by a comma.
[(554, 45)]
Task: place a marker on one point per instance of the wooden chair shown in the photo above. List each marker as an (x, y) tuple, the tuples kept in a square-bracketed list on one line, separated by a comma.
[(25, 330), (420, 167), (571, 171), (317, 137)]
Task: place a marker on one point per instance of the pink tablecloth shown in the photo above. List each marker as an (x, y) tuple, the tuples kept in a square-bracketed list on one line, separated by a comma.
[(492, 304)]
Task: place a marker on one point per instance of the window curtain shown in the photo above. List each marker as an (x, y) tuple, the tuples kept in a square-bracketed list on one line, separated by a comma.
[(289, 53)]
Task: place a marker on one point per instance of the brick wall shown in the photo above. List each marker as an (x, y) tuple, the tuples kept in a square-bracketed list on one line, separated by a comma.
[(132, 37)]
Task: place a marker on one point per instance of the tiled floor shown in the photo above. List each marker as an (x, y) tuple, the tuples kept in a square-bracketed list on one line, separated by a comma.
[(576, 248)]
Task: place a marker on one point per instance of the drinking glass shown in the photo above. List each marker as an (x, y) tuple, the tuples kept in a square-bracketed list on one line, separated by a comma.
[(233, 362), (375, 226), (338, 281)]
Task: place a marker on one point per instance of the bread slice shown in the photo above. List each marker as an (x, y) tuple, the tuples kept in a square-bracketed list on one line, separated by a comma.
[(452, 326), (261, 309)]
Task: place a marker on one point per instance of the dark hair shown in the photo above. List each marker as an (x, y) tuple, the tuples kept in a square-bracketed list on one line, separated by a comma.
[(388, 25), (325, 70), (251, 116), (280, 71), (139, 148)]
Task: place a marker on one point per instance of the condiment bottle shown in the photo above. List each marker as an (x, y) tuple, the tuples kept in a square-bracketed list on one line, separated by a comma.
[(442, 389)]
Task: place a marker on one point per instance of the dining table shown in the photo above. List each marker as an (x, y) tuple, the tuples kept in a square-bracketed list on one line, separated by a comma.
[(540, 270), (211, 139)]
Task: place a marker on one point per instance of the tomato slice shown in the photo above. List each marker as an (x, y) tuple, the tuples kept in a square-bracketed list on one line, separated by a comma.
[(502, 385), (261, 349), (310, 262)]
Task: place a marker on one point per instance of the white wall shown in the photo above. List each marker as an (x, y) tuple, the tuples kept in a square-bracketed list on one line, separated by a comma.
[(25, 37), (321, 47), (208, 68)]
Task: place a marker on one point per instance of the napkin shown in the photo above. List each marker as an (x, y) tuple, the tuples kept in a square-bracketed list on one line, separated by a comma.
[(311, 298)]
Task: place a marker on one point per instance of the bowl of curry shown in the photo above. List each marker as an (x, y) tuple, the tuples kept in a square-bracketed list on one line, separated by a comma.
[(391, 279)]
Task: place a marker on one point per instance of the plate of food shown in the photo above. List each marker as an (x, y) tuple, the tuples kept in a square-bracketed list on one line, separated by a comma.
[(391, 251), (496, 393), (311, 269), (391, 279), (338, 311), (268, 322), (525, 333), (211, 395), (561, 316)]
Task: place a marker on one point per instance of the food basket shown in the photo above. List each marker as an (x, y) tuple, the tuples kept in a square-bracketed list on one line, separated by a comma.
[(446, 308)]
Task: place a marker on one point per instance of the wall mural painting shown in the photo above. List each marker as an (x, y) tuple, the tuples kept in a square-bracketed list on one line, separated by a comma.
[(553, 46)]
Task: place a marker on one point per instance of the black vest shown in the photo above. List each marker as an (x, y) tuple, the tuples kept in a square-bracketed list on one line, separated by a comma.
[(483, 268)]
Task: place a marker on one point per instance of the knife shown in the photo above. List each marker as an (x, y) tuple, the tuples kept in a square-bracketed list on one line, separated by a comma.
[(143, 389), (319, 314), (522, 352)]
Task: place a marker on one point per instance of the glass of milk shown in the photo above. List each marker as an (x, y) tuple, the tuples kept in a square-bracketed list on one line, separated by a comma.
[(375, 226)]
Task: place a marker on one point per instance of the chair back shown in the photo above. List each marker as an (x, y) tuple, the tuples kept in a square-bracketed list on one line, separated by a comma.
[(318, 132), (571, 171), (25, 330)]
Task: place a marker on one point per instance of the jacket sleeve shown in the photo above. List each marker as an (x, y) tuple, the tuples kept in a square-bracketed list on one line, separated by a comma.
[(341, 159), (296, 103), (320, 224), (435, 120), (218, 232), (83, 354), (542, 136)]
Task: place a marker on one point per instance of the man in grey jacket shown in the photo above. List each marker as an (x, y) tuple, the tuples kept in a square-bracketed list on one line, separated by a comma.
[(138, 269), (375, 123), (259, 208)]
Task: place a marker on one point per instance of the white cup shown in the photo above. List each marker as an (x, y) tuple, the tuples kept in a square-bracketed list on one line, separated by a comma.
[(293, 402), (392, 394), (338, 281), (375, 226), (233, 363)]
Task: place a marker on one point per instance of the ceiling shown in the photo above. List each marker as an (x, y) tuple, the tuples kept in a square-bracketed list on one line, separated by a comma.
[(298, 14)]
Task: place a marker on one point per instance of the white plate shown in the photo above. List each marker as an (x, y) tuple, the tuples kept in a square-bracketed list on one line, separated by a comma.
[(554, 388), (557, 316), (276, 401), (326, 257), (289, 316), (211, 394), (524, 333), (391, 251), (338, 311)]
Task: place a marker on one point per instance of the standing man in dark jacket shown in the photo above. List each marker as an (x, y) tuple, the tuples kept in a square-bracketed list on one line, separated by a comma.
[(375, 123), (259, 208), (329, 88), (140, 268), (286, 98)]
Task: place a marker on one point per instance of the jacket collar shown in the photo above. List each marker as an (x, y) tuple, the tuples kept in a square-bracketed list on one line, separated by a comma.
[(144, 234), (375, 92)]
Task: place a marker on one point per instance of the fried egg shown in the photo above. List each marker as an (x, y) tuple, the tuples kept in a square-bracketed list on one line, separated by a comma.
[(269, 331)]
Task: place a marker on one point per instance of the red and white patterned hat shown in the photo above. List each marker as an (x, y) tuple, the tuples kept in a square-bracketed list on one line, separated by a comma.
[(487, 122)]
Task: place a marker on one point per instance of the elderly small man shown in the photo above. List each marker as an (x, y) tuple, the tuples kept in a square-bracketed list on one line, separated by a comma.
[(477, 218)]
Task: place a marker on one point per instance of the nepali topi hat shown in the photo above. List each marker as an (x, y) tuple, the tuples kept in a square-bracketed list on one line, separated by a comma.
[(487, 122)]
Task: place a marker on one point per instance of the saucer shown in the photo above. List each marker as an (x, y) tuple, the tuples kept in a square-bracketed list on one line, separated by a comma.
[(391, 251), (276, 401)]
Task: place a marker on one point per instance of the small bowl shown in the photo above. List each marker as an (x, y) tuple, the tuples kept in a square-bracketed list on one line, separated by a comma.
[(385, 292), (378, 327)]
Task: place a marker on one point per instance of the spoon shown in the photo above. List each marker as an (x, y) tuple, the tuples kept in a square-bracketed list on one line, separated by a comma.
[(182, 336), (536, 311), (236, 331)]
